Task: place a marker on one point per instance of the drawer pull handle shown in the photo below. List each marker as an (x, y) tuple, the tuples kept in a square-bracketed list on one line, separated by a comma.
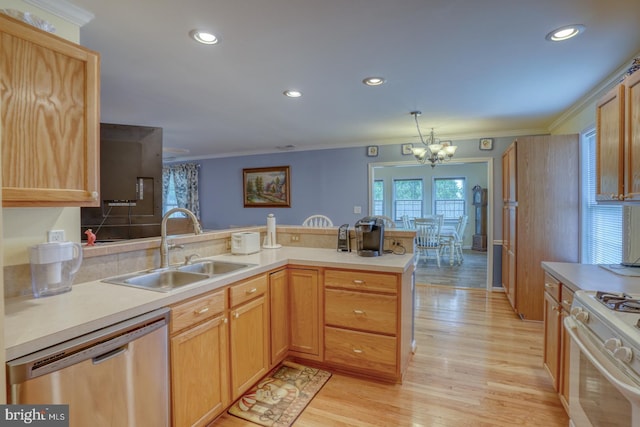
[(357, 350), (358, 312), (251, 291), (548, 285), (202, 310), (358, 282), (566, 302)]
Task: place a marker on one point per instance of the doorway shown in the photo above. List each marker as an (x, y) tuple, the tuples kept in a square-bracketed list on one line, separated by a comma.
[(476, 171)]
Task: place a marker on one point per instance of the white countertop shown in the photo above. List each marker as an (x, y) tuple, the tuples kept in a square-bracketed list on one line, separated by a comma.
[(32, 324), (592, 277)]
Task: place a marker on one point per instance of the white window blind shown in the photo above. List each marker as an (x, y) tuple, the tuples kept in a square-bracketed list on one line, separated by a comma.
[(602, 223)]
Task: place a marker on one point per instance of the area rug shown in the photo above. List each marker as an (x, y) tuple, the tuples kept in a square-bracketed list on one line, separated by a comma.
[(279, 398)]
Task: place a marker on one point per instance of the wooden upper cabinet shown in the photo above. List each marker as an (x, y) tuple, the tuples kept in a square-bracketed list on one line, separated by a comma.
[(618, 143), (632, 131), (49, 103)]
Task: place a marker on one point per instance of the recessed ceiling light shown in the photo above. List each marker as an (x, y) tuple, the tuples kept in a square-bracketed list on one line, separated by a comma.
[(565, 33), (203, 37), (373, 81), (291, 93)]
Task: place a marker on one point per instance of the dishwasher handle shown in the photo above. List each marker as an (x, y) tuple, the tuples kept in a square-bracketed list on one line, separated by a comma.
[(109, 355)]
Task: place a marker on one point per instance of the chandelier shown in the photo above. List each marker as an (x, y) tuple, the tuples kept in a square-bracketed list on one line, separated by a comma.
[(434, 150)]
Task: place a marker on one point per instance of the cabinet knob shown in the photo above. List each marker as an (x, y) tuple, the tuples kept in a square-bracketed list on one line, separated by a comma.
[(236, 315), (94, 195)]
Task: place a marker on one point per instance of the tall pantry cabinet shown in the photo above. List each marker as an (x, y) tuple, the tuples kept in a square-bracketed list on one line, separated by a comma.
[(540, 215)]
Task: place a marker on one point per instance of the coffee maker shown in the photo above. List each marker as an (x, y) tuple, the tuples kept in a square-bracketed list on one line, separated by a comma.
[(370, 236)]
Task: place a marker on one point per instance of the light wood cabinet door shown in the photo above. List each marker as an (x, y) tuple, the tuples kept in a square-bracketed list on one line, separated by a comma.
[(552, 338), (632, 128), (199, 373), (50, 119), (249, 332), (279, 315), (610, 145), (304, 308)]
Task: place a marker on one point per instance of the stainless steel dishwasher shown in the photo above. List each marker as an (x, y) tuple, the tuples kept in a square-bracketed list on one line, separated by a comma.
[(116, 376)]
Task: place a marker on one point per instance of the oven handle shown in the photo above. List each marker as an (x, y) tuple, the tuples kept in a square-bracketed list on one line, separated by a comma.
[(571, 325)]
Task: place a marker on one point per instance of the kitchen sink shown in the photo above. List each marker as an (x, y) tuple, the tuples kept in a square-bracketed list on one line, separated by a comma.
[(170, 278), (213, 267)]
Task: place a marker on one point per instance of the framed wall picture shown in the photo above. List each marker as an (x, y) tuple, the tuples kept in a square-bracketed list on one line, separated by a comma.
[(407, 149), (372, 151), (266, 187), (486, 144)]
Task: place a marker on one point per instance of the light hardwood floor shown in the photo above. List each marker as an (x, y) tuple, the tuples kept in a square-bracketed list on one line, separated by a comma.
[(472, 273), (477, 364)]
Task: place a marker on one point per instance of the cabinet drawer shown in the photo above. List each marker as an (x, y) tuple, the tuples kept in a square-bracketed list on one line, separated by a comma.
[(357, 310), (193, 311), (247, 290), (552, 286), (567, 298), (360, 280), (360, 350)]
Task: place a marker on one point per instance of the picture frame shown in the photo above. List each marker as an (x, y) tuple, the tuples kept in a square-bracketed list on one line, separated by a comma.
[(372, 151), (266, 187), (486, 143), (407, 149)]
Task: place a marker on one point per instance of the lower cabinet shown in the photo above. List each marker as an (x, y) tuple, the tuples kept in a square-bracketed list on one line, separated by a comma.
[(279, 315), (557, 305), (305, 296), (361, 327), (249, 333), (199, 360)]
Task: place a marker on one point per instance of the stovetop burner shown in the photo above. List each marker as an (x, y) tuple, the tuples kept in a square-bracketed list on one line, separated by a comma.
[(619, 301)]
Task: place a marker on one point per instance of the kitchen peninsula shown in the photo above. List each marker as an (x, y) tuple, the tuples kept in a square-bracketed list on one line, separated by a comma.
[(357, 312)]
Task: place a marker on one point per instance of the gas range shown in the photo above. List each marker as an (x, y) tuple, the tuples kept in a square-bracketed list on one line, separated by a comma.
[(614, 322)]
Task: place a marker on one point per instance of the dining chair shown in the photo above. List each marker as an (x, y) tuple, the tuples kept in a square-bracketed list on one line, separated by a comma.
[(388, 222), (406, 222), (317, 221), (428, 237), (460, 229)]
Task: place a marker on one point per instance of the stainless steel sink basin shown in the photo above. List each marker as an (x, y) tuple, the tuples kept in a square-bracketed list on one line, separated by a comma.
[(169, 278), (213, 268)]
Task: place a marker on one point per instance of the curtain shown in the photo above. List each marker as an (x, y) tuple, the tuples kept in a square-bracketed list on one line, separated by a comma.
[(185, 182)]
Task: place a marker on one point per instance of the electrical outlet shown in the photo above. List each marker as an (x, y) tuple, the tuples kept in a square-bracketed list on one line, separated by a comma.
[(229, 244), (295, 237), (55, 236), (357, 209)]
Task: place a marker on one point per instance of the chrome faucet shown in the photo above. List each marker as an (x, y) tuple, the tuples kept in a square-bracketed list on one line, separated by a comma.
[(164, 246)]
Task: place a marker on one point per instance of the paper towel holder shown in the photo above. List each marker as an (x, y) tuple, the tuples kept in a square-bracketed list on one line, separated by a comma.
[(270, 238)]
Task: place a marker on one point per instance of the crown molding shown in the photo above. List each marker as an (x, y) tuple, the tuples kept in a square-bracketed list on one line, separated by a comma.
[(65, 10), (593, 95)]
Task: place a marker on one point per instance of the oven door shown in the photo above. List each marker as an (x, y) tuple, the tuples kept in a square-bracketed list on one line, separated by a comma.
[(601, 392)]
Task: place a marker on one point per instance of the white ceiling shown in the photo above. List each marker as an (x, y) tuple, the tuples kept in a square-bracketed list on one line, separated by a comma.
[(474, 68)]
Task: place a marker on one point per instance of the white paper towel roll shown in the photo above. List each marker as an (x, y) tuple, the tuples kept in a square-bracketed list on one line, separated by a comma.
[(270, 238)]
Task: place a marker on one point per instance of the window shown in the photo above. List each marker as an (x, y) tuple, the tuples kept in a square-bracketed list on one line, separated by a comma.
[(448, 197), (180, 188), (407, 198), (601, 223), (378, 197)]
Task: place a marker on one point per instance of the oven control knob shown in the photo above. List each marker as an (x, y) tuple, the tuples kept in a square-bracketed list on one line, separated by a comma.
[(612, 343), (580, 314), (624, 354)]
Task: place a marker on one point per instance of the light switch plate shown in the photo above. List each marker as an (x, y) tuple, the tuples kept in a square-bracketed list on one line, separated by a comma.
[(55, 236)]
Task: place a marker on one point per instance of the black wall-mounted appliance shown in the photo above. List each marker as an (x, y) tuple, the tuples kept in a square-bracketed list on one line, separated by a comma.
[(130, 184)]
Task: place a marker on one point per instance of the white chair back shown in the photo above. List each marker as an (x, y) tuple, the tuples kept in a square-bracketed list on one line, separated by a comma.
[(317, 221), (428, 233), (406, 222), (462, 225)]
